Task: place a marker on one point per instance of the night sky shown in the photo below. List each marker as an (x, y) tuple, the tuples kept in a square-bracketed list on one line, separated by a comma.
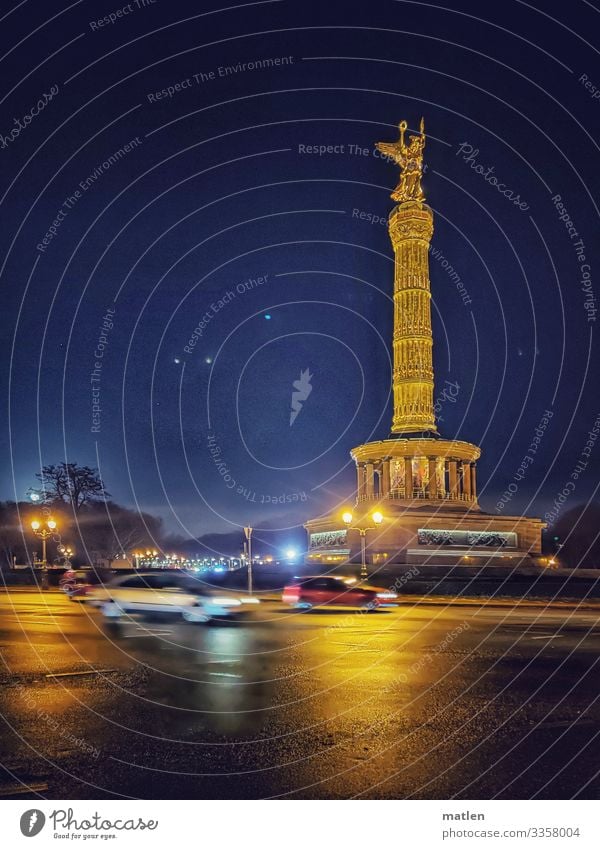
[(203, 207)]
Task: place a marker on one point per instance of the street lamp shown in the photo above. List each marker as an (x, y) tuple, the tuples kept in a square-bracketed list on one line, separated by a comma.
[(43, 533), (248, 533), (377, 518), (151, 555), (67, 552)]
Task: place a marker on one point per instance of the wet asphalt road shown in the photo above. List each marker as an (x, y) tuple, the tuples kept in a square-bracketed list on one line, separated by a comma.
[(430, 700)]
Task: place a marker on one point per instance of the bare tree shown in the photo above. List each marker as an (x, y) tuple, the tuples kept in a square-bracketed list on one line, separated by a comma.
[(70, 483)]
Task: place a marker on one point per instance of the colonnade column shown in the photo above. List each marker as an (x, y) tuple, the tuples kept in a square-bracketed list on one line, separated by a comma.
[(453, 478), (370, 482), (473, 482), (360, 471), (432, 482), (385, 478), (408, 477), (466, 479)]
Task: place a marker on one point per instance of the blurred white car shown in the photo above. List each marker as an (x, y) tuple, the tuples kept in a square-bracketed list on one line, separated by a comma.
[(166, 592)]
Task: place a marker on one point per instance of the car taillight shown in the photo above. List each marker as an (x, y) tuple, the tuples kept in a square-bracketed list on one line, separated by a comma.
[(290, 595)]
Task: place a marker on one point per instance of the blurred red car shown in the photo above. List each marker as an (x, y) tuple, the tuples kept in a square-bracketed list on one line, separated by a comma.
[(328, 591), (76, 583)]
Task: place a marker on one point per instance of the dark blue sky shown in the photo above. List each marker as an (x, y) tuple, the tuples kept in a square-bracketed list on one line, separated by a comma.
[(217, 188)]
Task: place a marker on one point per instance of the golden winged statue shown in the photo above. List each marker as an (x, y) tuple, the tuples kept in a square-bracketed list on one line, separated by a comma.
[(410, 159)]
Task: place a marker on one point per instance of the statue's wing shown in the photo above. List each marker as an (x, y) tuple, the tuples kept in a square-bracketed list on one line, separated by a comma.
[(390, 149), (393, 150)]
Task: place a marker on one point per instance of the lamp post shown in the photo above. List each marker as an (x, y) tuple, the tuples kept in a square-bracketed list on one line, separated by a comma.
[(248, 533), (43, 533), (67, 552), (377, 518)]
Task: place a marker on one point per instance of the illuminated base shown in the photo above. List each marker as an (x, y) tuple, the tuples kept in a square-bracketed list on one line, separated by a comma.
[(445, 536)]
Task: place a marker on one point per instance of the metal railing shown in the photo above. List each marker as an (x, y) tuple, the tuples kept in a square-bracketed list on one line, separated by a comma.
[(419, 495)]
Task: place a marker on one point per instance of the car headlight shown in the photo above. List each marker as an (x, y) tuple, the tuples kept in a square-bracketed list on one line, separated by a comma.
[(249, 601), (387, 595)]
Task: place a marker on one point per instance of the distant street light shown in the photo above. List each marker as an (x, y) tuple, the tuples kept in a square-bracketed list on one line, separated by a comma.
[(44, 533), (248, 533), (151, 555), (377, 518), (67, 552)]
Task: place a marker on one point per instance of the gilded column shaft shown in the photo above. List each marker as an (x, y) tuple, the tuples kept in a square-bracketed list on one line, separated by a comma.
[(411, 229)]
